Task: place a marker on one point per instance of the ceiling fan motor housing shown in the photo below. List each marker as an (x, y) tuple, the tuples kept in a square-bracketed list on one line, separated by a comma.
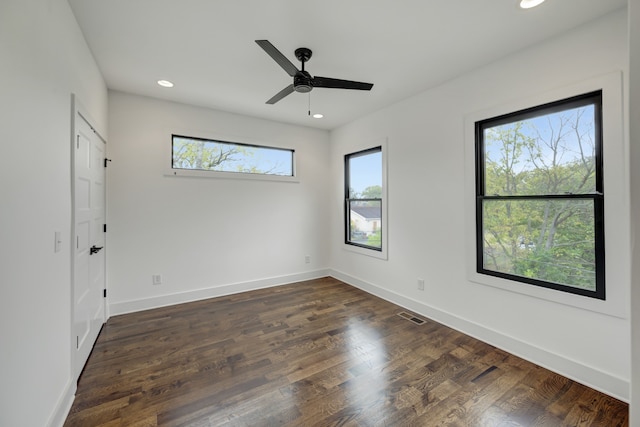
[(302, 82)]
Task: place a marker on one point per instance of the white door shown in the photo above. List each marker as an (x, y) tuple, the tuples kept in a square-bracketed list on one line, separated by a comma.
[(89, 242)]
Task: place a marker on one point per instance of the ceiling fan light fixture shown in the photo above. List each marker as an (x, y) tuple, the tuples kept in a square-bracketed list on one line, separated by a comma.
[(165, 83), (318, 116), (528, 4), (303, 88)]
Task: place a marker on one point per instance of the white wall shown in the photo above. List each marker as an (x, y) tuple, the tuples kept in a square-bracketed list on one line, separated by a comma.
[(207, 236), (44, 60), (200, 233), (426, 175)]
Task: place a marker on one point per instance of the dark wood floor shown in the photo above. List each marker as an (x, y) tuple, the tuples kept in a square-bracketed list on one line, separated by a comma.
[(316, 353)]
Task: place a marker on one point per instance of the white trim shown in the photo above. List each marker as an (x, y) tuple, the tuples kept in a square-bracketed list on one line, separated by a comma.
[(63, 405), (587, 375), (131, 306), (229, 175), (88, 120), (616, 185), (365, 251)]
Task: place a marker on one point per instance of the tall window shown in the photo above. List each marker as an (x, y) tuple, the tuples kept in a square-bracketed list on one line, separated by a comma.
[(221, 156), (539, 196), (363, 199)]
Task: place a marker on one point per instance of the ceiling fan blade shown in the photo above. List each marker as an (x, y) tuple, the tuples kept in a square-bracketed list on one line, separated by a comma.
[(340, 84), (278, 96), (278, 57)]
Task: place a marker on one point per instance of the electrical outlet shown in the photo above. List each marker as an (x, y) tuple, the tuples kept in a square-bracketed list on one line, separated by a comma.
[(307, 259), (157, 279), (421, 284)]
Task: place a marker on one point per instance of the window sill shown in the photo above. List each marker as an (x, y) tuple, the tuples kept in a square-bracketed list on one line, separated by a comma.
[(583, 302), (229, 175), (364, 251)]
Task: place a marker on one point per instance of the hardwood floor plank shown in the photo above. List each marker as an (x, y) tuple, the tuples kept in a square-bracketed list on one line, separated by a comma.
[(316, 353)]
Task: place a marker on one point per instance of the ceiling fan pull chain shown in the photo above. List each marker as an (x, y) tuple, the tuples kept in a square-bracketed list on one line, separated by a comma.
[(309, 103)]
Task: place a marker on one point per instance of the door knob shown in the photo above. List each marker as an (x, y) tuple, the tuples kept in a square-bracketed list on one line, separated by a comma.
[(94, 249)]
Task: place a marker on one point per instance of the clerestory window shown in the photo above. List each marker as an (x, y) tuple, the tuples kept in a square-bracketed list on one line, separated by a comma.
[(198, 154)]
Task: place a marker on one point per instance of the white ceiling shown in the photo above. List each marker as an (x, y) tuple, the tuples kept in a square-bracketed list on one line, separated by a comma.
[(207, 48)]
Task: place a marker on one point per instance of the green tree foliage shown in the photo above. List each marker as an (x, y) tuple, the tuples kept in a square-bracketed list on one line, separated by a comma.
[(551, 239), (202, 155), (375, 239), (372, 192)]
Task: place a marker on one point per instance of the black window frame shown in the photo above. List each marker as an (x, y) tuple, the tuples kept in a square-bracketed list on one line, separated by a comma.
[(592, 98), (239, 144), (348, 200)]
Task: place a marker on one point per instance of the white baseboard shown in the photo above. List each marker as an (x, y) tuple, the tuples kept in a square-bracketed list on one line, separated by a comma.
[(589, 376), (63, 407), (123, 307)]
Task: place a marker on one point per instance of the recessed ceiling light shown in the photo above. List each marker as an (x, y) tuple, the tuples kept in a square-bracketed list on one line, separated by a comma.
[(165, 83), (528, 4), (318, 116)]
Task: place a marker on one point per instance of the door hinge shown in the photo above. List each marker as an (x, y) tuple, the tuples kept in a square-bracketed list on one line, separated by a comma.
[(105, 162), (104, 293), (104, 228), (77, 342), (77, 141)]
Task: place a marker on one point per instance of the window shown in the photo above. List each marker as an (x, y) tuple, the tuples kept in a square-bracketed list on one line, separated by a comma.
[(197, 154), (363, 199), (539, 196)]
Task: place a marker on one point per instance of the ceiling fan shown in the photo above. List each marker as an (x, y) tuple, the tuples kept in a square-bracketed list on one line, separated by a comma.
[(303, 82)]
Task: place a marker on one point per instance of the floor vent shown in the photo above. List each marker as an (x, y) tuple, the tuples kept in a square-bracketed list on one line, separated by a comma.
[(410, 317)]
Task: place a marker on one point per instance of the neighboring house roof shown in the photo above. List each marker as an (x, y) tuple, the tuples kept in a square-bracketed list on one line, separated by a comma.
[(367, 212)]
